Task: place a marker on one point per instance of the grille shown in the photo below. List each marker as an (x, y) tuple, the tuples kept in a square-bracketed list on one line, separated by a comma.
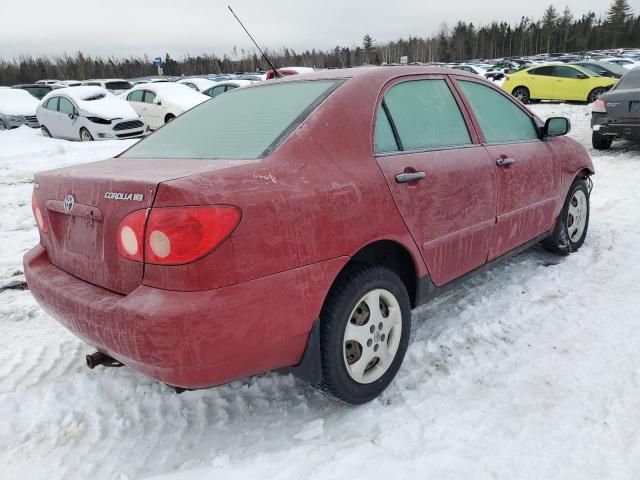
[(129, 134), (32, 121), (128, 125)]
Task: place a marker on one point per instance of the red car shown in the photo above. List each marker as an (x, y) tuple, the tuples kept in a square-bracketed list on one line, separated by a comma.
[(296, 223)]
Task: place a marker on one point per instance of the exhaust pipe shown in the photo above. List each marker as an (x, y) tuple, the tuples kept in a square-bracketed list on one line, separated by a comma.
[(100, 358)]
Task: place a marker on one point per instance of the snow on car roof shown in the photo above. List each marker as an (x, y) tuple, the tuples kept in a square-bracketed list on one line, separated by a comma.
[(201, 83), (95, 101), (171, 93)]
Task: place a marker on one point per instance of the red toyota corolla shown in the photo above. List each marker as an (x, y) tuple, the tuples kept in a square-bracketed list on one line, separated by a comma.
[(297, 222)]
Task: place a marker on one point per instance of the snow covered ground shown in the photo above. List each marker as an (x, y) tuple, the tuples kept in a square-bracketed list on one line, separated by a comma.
[(529, 371)]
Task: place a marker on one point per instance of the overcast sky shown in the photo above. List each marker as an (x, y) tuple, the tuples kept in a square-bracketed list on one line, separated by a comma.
[(123, 28)]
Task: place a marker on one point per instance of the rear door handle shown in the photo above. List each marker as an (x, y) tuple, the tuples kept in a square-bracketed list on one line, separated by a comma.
[(410, 177), (503, 162)]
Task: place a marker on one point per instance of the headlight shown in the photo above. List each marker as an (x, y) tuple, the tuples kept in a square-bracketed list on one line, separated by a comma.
[(99, 120), (16, 118)]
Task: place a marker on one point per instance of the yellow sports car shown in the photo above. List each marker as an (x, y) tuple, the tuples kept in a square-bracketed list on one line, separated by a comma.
[(557, 82)]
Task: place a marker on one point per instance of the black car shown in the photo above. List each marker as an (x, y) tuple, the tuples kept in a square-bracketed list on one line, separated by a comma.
[(616, 114), (36, 89), (604, 69)]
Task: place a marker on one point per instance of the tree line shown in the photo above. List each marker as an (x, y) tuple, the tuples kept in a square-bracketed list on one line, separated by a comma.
[(555, 31)]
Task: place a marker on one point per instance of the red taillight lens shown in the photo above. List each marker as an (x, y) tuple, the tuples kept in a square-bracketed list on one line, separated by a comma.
[(599, 106), (38, 213), (130, 236), (178, 235)]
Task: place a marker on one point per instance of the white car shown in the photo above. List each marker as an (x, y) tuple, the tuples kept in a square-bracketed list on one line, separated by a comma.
[(47, 82), (225, 86), (114, 85), (17, 107), (466, 67), (161, 102), (88, 113), (197, 83)]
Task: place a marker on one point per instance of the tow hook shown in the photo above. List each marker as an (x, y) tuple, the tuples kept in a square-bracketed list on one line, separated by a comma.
[(100, 358)]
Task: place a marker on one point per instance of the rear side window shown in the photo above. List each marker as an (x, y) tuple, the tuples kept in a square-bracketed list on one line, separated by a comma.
[(500, 119), (135, 96), (384, 136), (247, 123), (426, 115), (547, 71)]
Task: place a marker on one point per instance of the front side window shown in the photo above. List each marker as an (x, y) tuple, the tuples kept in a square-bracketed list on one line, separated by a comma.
[(566, 72), (149, 97), (66, 106), (248, 123), (135, 96), (217, 90), (500, 119), (426, 115)]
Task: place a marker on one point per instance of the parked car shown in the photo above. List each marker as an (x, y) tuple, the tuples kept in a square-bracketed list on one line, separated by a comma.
[(604, 69), (48, 82), (253, 233), (88, 113), (616, 114), (470, 68), (160, 102), (254, 77), (114, 85), (197, 83), (69, 83), (623, 62), (225, 86), (17, 108), (285, 72), (37, 90), (556, 82)]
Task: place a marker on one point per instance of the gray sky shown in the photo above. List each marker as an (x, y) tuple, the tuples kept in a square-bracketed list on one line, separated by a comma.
[(123, 28)]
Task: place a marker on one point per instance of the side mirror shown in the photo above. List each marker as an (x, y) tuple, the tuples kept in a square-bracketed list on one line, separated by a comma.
[(582, 76), (556, 127), (157, 102)]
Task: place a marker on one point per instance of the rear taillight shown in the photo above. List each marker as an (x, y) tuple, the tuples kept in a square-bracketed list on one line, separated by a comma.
[(38, 214), (130, 235), (175, 235), (599, 106)]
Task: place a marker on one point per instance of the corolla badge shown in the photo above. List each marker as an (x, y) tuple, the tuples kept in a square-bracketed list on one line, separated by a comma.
[(136, 197), (69, 202)]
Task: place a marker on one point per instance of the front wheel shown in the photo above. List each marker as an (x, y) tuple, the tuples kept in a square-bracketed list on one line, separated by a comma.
[(169, 118), (601, 142), (45, 132), (572, 225), (85, 135), (595, 94), (522, 94), (365, 327)]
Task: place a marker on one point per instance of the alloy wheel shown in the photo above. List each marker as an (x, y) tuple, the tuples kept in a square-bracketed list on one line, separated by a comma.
[(372, 336)]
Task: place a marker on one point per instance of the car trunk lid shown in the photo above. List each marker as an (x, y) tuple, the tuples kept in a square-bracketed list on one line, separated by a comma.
[(623, 106), (84, 205)]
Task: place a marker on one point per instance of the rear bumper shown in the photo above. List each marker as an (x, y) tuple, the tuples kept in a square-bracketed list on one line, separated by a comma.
[(629, 130), (189, 339)]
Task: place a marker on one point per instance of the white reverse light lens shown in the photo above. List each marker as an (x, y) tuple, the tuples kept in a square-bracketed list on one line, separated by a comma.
[(160, 244), (39, 218), (129, 240)]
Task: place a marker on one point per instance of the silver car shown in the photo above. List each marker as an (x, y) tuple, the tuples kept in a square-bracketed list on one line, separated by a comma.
[(17, 107), (88, 113)]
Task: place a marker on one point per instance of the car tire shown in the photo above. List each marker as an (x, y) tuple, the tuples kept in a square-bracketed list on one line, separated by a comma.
[(573, 223), (3, 126), (601, 142), (85, 135), (169, 118), (522, 94), (45, 132), (352, 332), (595, 94)]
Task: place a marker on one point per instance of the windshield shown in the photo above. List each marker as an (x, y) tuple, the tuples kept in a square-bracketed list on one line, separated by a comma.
[(118, 85), (247, 123), (630, 80), (613, 67)]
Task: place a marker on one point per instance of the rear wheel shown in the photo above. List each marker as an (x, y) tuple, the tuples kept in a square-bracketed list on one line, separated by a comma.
[(365, 327), (601, 142), (85, 135), (45, 132), (595, 94), (169, 117), (572, 225), (522, 94)]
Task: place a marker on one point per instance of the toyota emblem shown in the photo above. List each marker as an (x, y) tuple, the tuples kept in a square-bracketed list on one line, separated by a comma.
[(69, 202)]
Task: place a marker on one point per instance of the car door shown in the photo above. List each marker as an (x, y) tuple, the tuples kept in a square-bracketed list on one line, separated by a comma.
[(46, 114), (540, 82), (135, 99), (55, 119), (441, 179), (68, 119), (154, 111), (569, 83), (527, 173)]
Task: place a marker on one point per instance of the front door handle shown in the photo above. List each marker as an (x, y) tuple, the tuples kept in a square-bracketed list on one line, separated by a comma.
[(504, 162), (410, 177)]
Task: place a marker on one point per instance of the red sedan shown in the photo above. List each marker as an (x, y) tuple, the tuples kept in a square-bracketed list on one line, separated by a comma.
[(296, 223)]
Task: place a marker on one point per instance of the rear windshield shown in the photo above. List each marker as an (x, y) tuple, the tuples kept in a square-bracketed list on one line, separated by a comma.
[(118, 85), (246, 123), (630, 80)]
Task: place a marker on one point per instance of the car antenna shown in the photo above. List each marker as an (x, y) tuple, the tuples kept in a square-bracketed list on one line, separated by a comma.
[(275, 72)]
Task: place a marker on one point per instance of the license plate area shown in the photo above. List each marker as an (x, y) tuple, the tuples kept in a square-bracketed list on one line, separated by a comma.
[(79, 235), (634, 107)]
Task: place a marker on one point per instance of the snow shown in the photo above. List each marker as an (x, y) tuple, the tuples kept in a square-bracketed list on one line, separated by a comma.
[(202, 83), (529, 370), (96, 101), (15, 101), (172, 94)]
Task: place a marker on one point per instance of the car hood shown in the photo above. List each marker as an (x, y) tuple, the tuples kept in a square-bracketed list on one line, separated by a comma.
[(14, 105)]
